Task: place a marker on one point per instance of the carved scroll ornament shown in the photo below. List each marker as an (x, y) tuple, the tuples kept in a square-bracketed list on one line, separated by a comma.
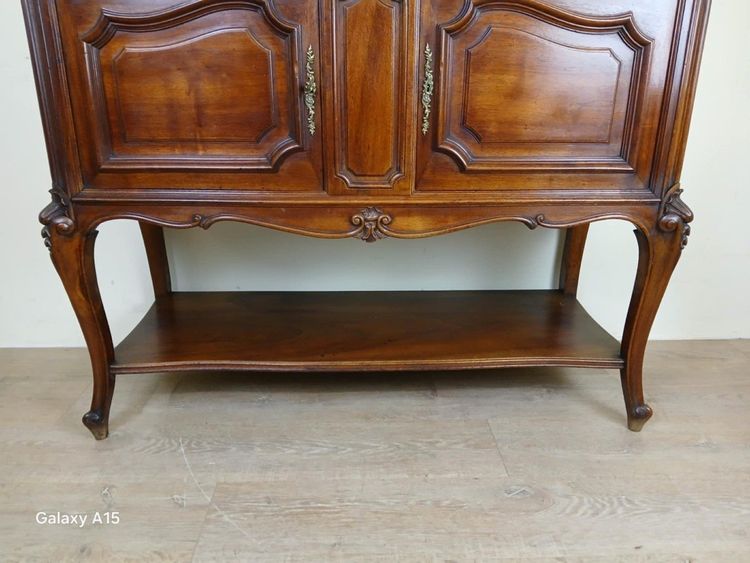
[(58, 216), (675, 214), (371, 224)]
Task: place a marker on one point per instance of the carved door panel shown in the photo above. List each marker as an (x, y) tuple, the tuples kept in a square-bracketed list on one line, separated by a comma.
[(208, 93), (531, 95), (371, 47)]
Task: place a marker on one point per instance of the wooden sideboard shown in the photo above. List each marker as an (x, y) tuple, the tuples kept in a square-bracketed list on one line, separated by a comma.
[(365, 119)]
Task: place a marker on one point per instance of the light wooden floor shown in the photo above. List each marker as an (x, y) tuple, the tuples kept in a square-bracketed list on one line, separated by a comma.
[(481, 466)]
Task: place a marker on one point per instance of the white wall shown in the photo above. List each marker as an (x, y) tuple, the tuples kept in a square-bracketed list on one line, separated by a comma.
[(707, 298)]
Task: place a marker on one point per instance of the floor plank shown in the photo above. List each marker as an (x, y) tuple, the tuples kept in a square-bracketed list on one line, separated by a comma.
[(511, 465)]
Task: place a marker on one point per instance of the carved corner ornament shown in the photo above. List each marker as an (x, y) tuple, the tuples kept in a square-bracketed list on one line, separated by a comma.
[(371, 224), (675, 214), (58, 216)]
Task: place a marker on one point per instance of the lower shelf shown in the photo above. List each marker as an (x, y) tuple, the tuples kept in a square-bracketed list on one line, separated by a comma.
[(357, 331)]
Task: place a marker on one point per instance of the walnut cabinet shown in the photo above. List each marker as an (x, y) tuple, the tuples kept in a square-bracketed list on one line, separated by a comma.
[(365, 119)]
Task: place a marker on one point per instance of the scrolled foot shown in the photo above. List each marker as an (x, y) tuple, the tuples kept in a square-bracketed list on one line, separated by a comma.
[(638, 416), (97, 423)]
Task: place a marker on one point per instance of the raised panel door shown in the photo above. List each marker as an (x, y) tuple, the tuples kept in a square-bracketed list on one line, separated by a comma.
[(531, 95), (205, 94)]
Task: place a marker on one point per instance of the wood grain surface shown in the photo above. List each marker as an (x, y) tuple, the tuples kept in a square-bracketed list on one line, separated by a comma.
[(346, 331)]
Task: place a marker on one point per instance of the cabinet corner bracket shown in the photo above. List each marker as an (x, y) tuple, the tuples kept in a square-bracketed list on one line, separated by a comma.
[(57, 215), (675, 214)]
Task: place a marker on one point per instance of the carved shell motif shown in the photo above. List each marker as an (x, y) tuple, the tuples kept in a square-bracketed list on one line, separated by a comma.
[(372, 224)]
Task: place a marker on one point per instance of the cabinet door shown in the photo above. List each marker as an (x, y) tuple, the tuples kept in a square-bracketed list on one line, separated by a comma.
[(531, 95), (199, 94)]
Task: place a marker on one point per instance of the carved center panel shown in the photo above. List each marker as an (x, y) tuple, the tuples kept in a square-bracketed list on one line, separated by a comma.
[(369, 84)]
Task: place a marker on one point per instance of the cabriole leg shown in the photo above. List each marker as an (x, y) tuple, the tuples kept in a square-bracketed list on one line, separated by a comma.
[(658, 253), (72, 252)]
